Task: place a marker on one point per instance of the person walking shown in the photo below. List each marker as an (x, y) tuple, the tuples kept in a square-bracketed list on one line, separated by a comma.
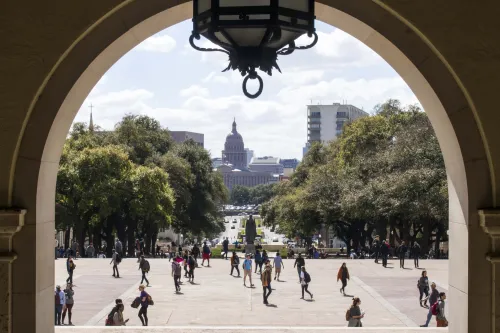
[(384, 252), (185, 257), (119, 247), (247, 270), (68, 303), (265, 257), (305, 279), (355, 314), (115, 260), (343, 275), (433, 298), (176, 273), (299, 263), (415, 250), (144, 268), (235, 262), (195, 252), (90, 251), (206, 254), (277, 265), (441, 320), (258, 261), (143, 311), (265, 278), (423, 288), (402, 253), (225, 247), (376, 248), (70, 267), (191, 266), (59, 303), (118, 315)]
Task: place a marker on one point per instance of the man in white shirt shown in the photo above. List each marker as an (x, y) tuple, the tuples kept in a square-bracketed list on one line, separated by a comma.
[(59, 303)]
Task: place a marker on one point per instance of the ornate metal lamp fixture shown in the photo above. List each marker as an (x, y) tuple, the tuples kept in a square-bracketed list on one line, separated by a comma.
[(253, 32)]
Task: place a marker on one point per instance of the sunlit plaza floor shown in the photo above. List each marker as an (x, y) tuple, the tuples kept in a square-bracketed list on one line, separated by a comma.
[(220, 302)]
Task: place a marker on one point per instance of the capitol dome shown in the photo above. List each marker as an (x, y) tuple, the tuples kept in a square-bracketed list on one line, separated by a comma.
[(234, 150)]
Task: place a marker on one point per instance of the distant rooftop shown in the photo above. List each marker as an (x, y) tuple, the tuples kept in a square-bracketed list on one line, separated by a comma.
[(265, 160)]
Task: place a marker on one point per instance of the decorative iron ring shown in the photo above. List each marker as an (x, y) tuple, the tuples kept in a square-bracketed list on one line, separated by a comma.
[(261, 86)]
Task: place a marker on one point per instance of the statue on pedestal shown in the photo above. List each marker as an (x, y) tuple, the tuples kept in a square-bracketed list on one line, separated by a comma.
[(250, 230)]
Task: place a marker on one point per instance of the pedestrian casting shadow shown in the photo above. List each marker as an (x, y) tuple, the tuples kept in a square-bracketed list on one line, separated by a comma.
[(308, 300), (345, 295), (421, 268), (389, 267), (271, 305), (236, 277), (193, 283), (179, 293), (281, 281), (408, 268)]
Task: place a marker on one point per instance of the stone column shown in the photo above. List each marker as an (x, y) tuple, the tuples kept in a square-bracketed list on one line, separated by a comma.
[(490, 222), (11, 222)]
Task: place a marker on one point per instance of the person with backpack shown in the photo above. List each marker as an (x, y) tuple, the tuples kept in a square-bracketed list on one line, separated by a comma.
[(176, 273), (433, 299), (145, 300), (68, 303), (441, 320), (247, 270), (115, 260), (119, 247), (343, 275), (265, 277), (235, 262), (144, 267), (59, 303), (354, 314), (423, 288), (191, 265), (258, 261), (305, 279), (206, 254), (299, 263), (118, 319), (70, 267)]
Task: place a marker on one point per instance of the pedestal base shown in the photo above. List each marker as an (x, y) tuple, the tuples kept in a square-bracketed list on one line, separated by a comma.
[(250, 248)]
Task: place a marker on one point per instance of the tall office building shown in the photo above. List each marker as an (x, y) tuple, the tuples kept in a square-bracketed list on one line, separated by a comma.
[(325, 122), (249, 155)]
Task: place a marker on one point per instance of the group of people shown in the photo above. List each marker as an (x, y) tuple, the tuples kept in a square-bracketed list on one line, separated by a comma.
[(382, 250), (435, 299)]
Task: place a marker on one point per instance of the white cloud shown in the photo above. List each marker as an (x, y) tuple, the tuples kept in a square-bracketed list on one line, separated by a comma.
[(296, 76), (194, 91), (214, 78), (342, 47), (163, 44)]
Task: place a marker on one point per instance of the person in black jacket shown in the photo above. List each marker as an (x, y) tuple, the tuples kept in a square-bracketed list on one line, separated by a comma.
[(402, 252), (416, 253)]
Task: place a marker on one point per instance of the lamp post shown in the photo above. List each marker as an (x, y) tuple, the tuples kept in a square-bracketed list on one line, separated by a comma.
[(253, 32)]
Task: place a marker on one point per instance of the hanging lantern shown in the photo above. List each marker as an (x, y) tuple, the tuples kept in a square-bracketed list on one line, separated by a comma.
[(253, 32)]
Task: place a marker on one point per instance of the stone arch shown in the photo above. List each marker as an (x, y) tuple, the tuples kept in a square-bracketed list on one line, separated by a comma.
[(118, 28)]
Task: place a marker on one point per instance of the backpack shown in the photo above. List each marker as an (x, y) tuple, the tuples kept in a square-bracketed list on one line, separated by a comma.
[(136, 302), (348, 314), (435, 309), (191, 261), (145, 266), (150, 300), (307, 277), (118, 258), (57, 299), (109, 319)]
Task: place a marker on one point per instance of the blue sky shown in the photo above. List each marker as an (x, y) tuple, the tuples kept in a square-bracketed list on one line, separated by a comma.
[(163, 77)]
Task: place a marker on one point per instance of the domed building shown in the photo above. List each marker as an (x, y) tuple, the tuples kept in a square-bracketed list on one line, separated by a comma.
[(234, 150)]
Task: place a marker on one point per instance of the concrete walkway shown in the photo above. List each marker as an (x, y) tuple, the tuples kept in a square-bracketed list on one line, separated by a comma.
[(217, 300)]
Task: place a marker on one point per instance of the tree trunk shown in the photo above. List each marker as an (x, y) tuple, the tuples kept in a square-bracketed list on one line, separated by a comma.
[(131, 241)]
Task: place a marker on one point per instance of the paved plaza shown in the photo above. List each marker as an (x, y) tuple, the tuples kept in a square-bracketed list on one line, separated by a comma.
[(220, 302)]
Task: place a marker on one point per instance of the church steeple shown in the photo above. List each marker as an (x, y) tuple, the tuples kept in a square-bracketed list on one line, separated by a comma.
[(91, 122), (234, 126)]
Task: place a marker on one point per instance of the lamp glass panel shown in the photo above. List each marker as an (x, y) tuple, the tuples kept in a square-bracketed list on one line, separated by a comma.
[(247, 36), (204, 5), (244, 3), (301, 5), (287, 37)]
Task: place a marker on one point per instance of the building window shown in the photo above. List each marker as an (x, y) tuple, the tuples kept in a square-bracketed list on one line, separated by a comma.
[(340, 124), (315, 114), (341, 114)]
